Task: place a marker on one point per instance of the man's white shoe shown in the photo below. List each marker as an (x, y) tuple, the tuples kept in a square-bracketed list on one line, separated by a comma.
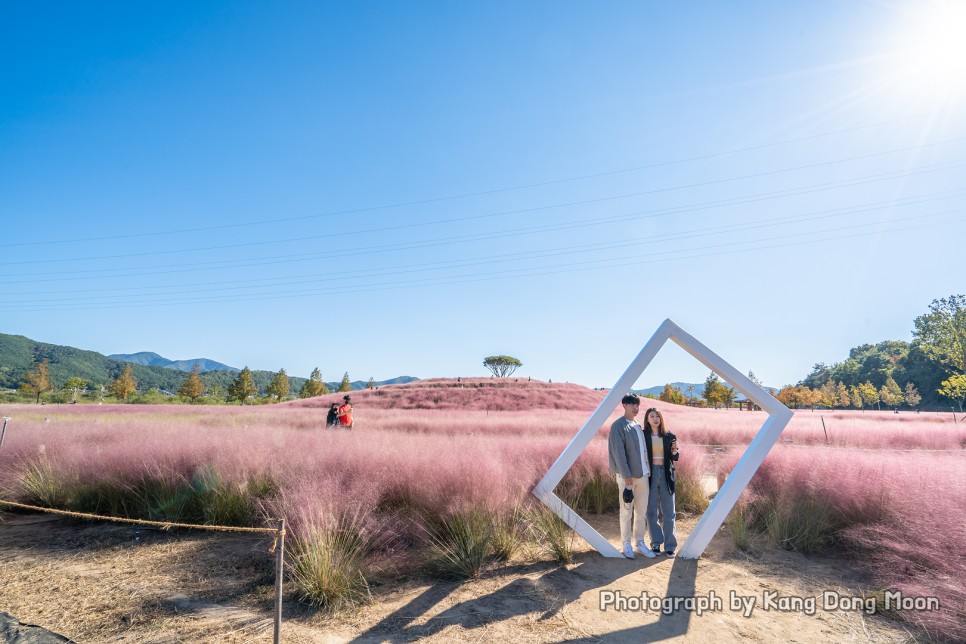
[(644, 550), (628, 551)]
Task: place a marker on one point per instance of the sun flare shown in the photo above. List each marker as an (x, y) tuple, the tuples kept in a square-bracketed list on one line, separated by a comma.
[(938, 42), (931, 56)]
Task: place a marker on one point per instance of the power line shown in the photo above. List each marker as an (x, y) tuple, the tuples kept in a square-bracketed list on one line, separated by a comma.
[(464, 219), (480, 193), (493, 275), (782, 221)]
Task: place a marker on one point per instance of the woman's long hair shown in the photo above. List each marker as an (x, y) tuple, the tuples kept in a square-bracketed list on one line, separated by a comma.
[(660, 429)]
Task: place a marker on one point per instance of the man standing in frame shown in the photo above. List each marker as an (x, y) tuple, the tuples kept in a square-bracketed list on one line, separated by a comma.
[(627, 455)]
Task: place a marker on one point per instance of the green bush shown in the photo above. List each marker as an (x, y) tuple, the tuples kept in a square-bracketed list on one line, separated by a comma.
[(508, 535), (461, 543), (551, 534), (328, 564)]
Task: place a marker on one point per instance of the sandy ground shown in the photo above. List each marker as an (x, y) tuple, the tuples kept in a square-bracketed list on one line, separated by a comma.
[(96, 582)]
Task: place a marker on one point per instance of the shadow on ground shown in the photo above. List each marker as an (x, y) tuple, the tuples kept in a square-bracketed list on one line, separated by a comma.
[(540, 589)]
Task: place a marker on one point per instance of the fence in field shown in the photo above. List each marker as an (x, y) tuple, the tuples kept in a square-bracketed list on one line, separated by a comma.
[(277, 548)]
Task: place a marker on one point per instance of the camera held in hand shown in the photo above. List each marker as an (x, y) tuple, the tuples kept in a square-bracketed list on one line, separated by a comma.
[(628, 495)]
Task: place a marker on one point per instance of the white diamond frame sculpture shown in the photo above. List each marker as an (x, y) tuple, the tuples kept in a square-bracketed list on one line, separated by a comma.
[(737, 481)]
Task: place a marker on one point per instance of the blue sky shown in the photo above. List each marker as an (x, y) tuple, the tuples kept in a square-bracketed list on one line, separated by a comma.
[(405, 188)]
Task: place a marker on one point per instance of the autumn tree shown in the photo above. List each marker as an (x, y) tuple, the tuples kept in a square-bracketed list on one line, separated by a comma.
[(193, 388), (243, 387), (842, 395), (855, 397), (954, 388), (672, 395), (890, 394), (911, 395), (279, 387), (371, 384), (789, 396), (713, 390), (73, 385), (125, 385), (828, 395), (345, 385), (37, 382), (870, 396), (941, 333), (314, 386), (811, 397)]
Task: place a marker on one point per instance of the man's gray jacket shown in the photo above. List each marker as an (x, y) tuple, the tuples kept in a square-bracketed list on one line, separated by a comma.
[(624, 448)]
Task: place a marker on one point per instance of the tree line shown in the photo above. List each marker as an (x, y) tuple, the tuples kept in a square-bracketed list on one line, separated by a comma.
[(931, 370), (242, 389)]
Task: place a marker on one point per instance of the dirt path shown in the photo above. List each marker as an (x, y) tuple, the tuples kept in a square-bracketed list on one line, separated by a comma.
[(100, 583)]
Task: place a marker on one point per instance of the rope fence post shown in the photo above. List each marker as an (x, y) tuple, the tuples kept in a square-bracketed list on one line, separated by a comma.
[(279, 563), (4, 432)]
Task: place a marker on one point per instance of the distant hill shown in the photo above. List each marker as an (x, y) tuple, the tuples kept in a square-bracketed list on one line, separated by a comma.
[(680, 386), (481, 394), (150, 359), (19, 353), (698, 391)]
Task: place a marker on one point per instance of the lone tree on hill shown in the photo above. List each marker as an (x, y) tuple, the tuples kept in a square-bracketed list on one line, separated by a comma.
[(37, 382), (502, 366), (243, 386), (314, 386), (192, 388), (345, 385), (125, 385), (279, 387)]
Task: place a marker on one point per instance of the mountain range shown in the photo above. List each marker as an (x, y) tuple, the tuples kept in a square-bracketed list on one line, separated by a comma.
[(154, 360), (152, 371)]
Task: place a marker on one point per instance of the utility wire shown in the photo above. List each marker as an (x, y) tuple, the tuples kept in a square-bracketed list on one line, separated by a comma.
[(479, 193), (493, 275), (398, 227)]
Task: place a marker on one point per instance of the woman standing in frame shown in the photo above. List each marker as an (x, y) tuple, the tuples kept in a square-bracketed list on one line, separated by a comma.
[(662, 451)]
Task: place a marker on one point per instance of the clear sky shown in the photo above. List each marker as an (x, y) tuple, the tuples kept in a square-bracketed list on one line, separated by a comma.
[(404, 188)]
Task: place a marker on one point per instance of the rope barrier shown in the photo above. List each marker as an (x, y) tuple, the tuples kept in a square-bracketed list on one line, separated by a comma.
[(278, 543), (164, 525), (823, 445)]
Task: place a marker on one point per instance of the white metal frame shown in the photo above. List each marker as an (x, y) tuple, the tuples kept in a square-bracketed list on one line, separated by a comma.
[(737, 481)]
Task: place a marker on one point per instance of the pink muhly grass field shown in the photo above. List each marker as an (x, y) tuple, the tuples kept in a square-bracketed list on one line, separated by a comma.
[(435, 447), (901, 515)]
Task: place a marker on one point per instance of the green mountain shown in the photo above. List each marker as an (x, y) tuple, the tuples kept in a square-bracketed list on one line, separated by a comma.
[(19, 353)]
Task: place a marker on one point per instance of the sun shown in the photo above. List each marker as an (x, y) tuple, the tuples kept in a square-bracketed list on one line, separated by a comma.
[(929, 59), (937, 42)]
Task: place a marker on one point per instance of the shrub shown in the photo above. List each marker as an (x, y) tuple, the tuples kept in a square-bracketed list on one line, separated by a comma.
[(551, 534), (327, 563), (738, 523), (804, 525), (461, 543), (598, 495), (508, 534), (689, 494), (41, 486)]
